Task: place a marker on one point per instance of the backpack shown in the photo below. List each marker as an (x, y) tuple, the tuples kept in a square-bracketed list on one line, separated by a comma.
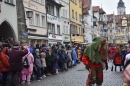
[(118, 60), (26, 63)]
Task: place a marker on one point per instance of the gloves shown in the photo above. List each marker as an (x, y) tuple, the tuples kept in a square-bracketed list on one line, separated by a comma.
[(106, 66), (87, 67)]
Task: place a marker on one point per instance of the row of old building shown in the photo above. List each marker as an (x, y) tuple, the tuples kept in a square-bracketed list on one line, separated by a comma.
[(52, 21)]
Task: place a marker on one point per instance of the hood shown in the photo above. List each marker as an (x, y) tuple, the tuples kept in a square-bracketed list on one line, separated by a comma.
[(93, 50), (28, 48)]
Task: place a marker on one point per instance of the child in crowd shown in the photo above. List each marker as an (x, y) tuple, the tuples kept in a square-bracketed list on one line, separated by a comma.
[(38, 64)]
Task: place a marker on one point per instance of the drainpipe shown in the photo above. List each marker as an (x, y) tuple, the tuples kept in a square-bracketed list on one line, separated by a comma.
[(70, 26), (46, 21)]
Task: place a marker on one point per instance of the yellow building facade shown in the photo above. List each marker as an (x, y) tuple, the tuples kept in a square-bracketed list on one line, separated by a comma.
[(76, 21)]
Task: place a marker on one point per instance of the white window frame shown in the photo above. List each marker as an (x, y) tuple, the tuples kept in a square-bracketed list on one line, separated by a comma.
[(51, 28), (58, 12), (58, 29), (42, 2), (37, 19), (31, 20), (66, 29), (43, 20)]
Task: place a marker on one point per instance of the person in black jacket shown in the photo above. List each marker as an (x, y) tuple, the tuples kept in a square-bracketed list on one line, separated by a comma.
[(62, 59), (48, 62), (54, 60)]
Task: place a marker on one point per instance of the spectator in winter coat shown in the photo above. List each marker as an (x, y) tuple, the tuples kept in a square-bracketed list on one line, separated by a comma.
[(39, 67), (27, 72), (43, 56), (15, 60), (4, 64), (54, 60), (32, 50), (48, 61), (70, 57), (74, 56), (61, 58)]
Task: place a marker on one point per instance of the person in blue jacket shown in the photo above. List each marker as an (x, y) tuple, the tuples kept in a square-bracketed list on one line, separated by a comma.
[(74, 55)]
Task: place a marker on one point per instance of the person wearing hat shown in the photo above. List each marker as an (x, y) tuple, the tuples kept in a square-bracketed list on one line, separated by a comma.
[(15, 61), (95, 60)]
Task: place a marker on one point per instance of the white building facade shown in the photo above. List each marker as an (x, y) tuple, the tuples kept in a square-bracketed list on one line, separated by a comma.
[(88, 21), (65, 21), (54, 21), (37, 30), (8, 19)]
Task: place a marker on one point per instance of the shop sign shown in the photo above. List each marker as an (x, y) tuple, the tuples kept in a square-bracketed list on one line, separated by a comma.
[(53, 36), (66, 37)]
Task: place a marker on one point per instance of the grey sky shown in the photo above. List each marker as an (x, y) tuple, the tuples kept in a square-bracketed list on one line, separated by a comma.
[(111, 5)]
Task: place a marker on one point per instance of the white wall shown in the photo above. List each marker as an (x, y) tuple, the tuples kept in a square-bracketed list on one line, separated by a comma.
[(9, 13), (65, 3), (89, 19)]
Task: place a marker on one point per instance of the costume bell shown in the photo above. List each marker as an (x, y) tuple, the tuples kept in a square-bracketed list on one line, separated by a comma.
[(95, 57)]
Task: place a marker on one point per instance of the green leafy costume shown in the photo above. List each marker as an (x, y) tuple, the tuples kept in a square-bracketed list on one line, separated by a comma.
[(92, 52)]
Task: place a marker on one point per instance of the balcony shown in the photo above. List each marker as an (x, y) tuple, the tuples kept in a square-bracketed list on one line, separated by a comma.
[(55, 2)]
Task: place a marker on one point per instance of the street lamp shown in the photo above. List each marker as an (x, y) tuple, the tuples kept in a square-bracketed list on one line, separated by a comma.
[(29, 14)]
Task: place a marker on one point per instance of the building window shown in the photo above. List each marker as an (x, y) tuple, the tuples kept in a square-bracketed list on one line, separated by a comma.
[(66, 30), (50, 9), (42, 2), (9, 1), (76, 15), (80, 18), (72, 13), (57, 12), (43, 21), (80, 3), (37, 20), (58, 29), (51, 27), (65, 13), (31, 20)]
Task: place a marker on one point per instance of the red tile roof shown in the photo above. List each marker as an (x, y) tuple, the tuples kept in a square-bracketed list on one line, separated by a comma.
[(86, 6), (96, 8), (118, 19), (101, 11)]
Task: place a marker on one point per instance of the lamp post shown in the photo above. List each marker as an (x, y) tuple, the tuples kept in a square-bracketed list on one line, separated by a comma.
[(29, 14)]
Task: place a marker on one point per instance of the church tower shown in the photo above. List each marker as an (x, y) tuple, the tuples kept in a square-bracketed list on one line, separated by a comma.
[(121, 8)]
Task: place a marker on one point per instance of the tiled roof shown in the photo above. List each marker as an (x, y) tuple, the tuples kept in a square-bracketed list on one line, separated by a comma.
[(86, 6), (118, 19), (101, 11), (96, 8)]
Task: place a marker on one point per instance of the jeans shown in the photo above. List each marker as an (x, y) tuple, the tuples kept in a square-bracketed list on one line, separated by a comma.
[(4, 78), (42, 71), (38, 72), (14, 78), (54, 67), (62, 66)]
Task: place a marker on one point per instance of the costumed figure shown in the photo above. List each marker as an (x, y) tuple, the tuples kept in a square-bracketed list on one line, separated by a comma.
[(95, 60), (117, 60)]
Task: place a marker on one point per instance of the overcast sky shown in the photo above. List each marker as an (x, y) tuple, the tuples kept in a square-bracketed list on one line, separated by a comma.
[(111, 5)]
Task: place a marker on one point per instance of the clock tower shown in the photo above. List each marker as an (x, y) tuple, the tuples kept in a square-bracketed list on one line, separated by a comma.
[(121, 8)]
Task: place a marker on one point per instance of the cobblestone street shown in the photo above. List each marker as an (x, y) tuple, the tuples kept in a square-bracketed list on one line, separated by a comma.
[(77, 77)]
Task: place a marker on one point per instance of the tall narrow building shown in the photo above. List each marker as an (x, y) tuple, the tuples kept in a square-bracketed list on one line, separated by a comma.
[(121, 8)]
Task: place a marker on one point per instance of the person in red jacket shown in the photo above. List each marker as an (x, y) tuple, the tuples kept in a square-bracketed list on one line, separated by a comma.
[(95, 60), (4, 63)]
